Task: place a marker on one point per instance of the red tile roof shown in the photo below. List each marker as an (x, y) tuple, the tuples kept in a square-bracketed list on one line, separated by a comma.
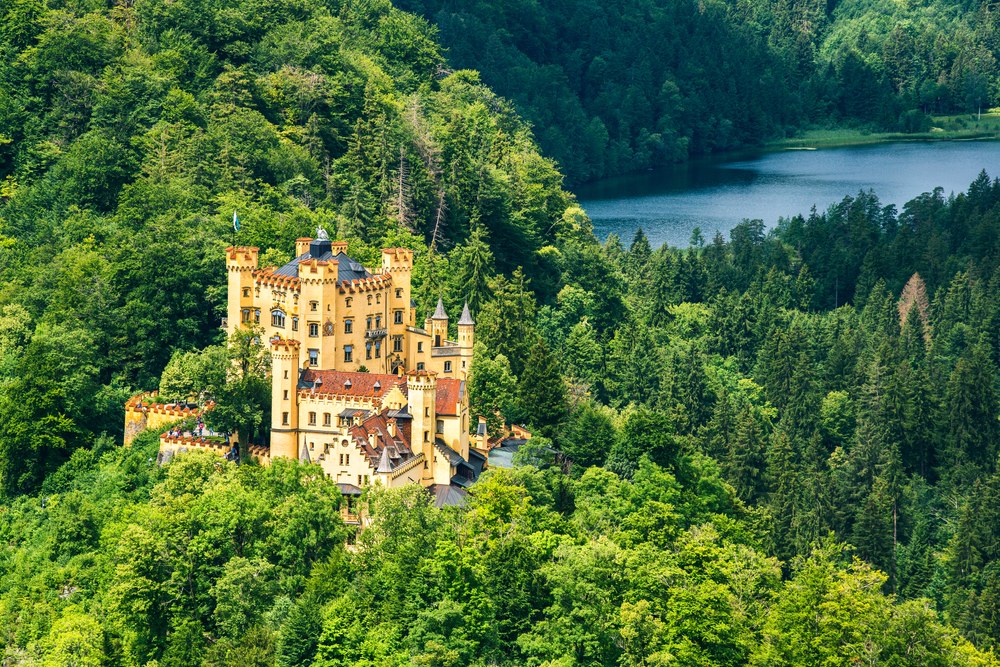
[(376, 424), (362, 384), (449, 392)]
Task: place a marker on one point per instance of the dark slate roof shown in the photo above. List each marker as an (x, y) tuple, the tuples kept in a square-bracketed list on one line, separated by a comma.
[(439, 313), (413, 303), (477, 461), (447, 495), (347, 268), (481, 429), (453, 457), (348, 489), (466, 316), (461, 481)]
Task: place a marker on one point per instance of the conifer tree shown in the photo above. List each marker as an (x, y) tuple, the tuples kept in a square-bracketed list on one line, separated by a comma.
[(541, 391), (299, 636), (805, 289), (782, 478), (745, 458)]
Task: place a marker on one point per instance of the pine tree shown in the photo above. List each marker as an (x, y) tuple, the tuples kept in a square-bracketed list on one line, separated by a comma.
[(300, 633), (805, 289), (783, 482), (745, 462), (475, 269), (542, 391), (590, 435)]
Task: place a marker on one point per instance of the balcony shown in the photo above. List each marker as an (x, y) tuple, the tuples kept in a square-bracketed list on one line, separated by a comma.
[(374, 334)]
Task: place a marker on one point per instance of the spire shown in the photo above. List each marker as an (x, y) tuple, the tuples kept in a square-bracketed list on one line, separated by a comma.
[(439, 314), (384, 465), (466, 317)]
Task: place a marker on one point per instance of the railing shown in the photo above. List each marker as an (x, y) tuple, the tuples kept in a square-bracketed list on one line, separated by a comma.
[(376, 333), (409, 465)]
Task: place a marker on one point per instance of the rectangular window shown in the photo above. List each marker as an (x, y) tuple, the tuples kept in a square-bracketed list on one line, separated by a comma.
[(398, 317), (347, 459), (368, 350), (347, 326), (313, 330), (314, 305), (246, 292), (369, 323), (347, 301), (295, 324), (420, 366), (397, 344), (359, 480), (326, 419), (245, 316), (314, 357), (284, 419), (420, 347), (378, 349), (399, 293), (312, 418), (286, 394), (347, 352), (378, 321), (286, 375), (256, 316), (440, 426), (427, 436), (447, 367), (341, 459)]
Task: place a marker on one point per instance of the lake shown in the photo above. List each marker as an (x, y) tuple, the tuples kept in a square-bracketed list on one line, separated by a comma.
[(716, 193)]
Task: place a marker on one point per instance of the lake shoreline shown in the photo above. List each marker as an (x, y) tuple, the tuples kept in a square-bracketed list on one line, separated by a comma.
[(842, 138)]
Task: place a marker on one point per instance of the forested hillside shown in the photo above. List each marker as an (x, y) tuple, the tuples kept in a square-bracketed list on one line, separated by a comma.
[(778, 448), (613, 87)]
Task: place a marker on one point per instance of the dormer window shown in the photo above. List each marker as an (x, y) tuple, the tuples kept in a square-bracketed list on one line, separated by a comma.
[(347, 383)]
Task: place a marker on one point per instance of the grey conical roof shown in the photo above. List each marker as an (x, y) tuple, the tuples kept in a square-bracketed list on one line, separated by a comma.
[(384, 465), (439, 314), (466, 316)]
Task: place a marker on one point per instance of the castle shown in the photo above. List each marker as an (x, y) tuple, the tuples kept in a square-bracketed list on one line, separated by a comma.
[(326, 316)]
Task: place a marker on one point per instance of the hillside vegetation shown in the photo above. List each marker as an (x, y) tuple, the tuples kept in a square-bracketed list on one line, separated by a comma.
[(613, 87), (782, 446)]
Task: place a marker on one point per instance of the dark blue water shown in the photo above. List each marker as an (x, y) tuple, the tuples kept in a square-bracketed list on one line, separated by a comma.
[(717, 193)]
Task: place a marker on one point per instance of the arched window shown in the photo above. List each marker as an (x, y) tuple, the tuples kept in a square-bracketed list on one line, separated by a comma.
[(277, 319)]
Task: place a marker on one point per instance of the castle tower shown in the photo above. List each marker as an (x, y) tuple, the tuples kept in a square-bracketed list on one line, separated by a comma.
[(398, 263), (439, 325), (466, 337), (241, 262), (421, 389), (284, 398)]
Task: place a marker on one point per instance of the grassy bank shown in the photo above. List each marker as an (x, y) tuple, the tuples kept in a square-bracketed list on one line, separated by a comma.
[(945, 128)]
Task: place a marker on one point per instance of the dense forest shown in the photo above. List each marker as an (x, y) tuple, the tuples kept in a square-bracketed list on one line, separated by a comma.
[(612, 87), (777, 448)]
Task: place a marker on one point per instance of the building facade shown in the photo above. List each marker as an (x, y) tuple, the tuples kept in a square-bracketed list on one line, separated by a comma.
[(357, 387)]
